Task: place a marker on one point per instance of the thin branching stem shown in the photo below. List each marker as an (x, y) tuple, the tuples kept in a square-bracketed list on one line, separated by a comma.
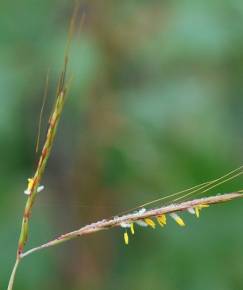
[(133, 217)]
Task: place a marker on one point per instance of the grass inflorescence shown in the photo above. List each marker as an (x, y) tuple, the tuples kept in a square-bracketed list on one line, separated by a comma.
[(149, 214)]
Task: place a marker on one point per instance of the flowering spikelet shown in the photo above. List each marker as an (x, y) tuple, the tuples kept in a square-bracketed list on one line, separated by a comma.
[(140, 218), (30, 186), (178, 219), (161, 219), (150, 223), (127, 225), (196, 210)]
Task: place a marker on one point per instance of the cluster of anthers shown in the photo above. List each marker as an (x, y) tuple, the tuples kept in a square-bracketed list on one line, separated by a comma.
[(161, 219)]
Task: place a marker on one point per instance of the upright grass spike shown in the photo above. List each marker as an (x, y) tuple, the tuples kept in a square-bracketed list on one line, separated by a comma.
[(34, 182)]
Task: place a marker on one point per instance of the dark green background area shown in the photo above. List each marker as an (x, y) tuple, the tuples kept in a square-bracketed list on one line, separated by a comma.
[(155, 106)]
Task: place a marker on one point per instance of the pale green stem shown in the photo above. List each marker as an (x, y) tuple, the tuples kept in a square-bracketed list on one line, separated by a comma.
[(13, 274)]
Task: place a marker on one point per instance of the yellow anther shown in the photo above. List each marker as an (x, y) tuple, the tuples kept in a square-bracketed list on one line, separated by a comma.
[(132, 228), (30, 183), (197, 213), (29, 186), (161, 219), (150, 223), (198, 208), (203, 206), (178, 219), (126, 238)]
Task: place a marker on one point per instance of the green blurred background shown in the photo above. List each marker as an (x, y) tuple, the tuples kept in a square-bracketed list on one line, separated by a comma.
[(155, 106)]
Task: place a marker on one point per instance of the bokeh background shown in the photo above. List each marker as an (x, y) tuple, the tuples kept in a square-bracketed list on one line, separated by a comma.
[(155, 106)]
